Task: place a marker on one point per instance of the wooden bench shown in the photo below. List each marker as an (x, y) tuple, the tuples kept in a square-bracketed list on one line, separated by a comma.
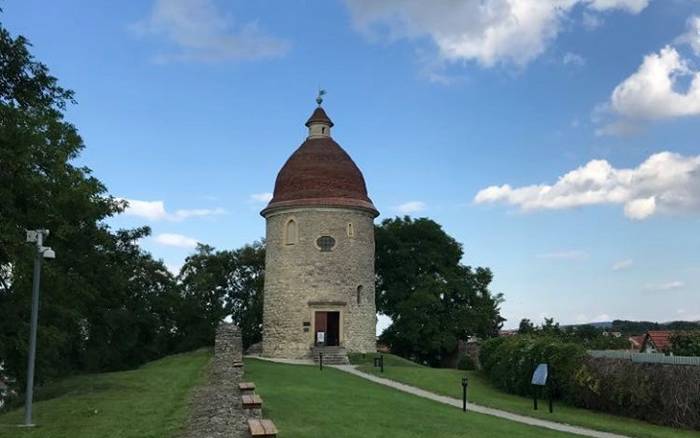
[(238, 364), (246, 386), (251, 401), (261, 428)]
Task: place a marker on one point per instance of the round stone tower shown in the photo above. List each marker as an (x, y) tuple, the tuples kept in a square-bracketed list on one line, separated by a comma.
[(319, 262)]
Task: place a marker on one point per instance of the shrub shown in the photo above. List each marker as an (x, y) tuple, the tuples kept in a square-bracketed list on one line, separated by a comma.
[(658, 393), (466, 363), (510, 362)]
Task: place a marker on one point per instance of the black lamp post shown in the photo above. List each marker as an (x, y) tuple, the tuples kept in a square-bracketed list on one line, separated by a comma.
[(465, 383)]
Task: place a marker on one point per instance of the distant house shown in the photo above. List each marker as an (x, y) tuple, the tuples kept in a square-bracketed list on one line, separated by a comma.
[(507, 332), (657, 341), (636, 342), (612, 334)]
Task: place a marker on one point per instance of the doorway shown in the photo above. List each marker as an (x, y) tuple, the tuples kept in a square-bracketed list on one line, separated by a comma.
[(327, 329)]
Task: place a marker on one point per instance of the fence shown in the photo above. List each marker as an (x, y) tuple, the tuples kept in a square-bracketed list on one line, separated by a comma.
[(646, 357)]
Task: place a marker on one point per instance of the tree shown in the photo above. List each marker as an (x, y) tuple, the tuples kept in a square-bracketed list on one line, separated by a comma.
[(105, 304), (685, 344), (526, 327), (217, 284), (433, 300)]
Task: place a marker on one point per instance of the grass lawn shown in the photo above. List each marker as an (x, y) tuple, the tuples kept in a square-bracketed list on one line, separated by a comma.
[(306, 402), (146, 402), (448, 382)]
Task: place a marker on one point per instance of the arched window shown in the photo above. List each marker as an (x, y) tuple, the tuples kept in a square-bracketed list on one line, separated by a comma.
[(359, 294), (290, 232), (351, 231)]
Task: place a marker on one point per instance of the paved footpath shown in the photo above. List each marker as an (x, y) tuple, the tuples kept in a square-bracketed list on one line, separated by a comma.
[(478, 408)]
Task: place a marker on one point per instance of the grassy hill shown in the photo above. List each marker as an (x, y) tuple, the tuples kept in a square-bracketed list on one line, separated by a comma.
[(304, 402), (147, 402), (448, 382)]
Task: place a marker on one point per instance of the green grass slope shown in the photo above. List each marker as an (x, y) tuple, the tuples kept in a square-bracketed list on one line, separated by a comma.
[(147, 402), (448, 382), (306, 402)]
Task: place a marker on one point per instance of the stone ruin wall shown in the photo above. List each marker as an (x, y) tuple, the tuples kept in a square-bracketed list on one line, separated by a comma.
[(216, 409)]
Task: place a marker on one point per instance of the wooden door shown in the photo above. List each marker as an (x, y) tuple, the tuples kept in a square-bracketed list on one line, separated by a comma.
[(321, 325)]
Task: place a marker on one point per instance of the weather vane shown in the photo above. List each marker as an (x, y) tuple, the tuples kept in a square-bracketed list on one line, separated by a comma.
[(321, 93)]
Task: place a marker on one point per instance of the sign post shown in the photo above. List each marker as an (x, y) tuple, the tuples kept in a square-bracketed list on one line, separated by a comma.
[(540, 378)]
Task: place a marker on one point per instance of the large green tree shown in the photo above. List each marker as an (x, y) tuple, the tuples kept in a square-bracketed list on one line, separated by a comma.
[(216, 284), (105, 304), (432, 298)]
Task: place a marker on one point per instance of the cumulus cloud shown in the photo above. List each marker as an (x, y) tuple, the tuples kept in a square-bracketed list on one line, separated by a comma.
[(411, 207), (692, 35), (652, 92), (622, 264), (486, 31), (155, 211), (665, 182), (564, 255), (665, 85), (176, 240), (202, 32), (261, 197)]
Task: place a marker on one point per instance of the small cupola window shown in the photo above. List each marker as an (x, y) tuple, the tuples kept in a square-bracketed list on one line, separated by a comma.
[(325, 243)]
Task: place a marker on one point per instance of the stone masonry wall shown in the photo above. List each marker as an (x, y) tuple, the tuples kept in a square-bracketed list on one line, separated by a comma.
[(300, 279), (216, 410)]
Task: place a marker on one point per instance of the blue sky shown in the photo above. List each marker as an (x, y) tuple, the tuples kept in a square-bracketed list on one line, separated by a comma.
[(558, 141)]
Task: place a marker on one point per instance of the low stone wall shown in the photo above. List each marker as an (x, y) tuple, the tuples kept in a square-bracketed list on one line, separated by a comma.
[(216, 409)]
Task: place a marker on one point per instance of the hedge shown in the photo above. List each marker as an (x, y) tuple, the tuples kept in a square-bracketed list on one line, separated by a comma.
[(658, 393)]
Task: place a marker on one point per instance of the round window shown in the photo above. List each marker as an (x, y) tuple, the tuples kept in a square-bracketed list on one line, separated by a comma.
[(325, 243)]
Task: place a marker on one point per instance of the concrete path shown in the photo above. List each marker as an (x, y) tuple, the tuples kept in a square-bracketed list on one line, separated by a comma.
[(478, 408), (284, 361)]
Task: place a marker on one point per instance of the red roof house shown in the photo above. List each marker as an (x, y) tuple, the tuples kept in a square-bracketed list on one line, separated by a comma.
[(657, 341)]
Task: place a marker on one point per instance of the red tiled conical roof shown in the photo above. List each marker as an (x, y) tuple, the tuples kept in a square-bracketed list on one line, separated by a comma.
[(320, 116), (320, 173)]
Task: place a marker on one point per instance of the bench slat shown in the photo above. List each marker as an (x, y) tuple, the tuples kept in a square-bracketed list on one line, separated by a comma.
[(256, 427), (251, 400), (269, 427), (246, 386)]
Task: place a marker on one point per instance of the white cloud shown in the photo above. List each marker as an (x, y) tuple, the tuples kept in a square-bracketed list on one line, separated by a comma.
[(666, 182), (564, 255), (622, 264), (692, 36), (177, 240), (202, 32), (632, 6), (671, 285), (571, 58), (640, 208), (155, 211), (261, 197), (411, 207), (652, 91), (486, 31)]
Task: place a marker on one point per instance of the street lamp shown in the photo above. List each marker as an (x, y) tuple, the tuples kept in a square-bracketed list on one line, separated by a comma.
[(465, 382), (42, 252)]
